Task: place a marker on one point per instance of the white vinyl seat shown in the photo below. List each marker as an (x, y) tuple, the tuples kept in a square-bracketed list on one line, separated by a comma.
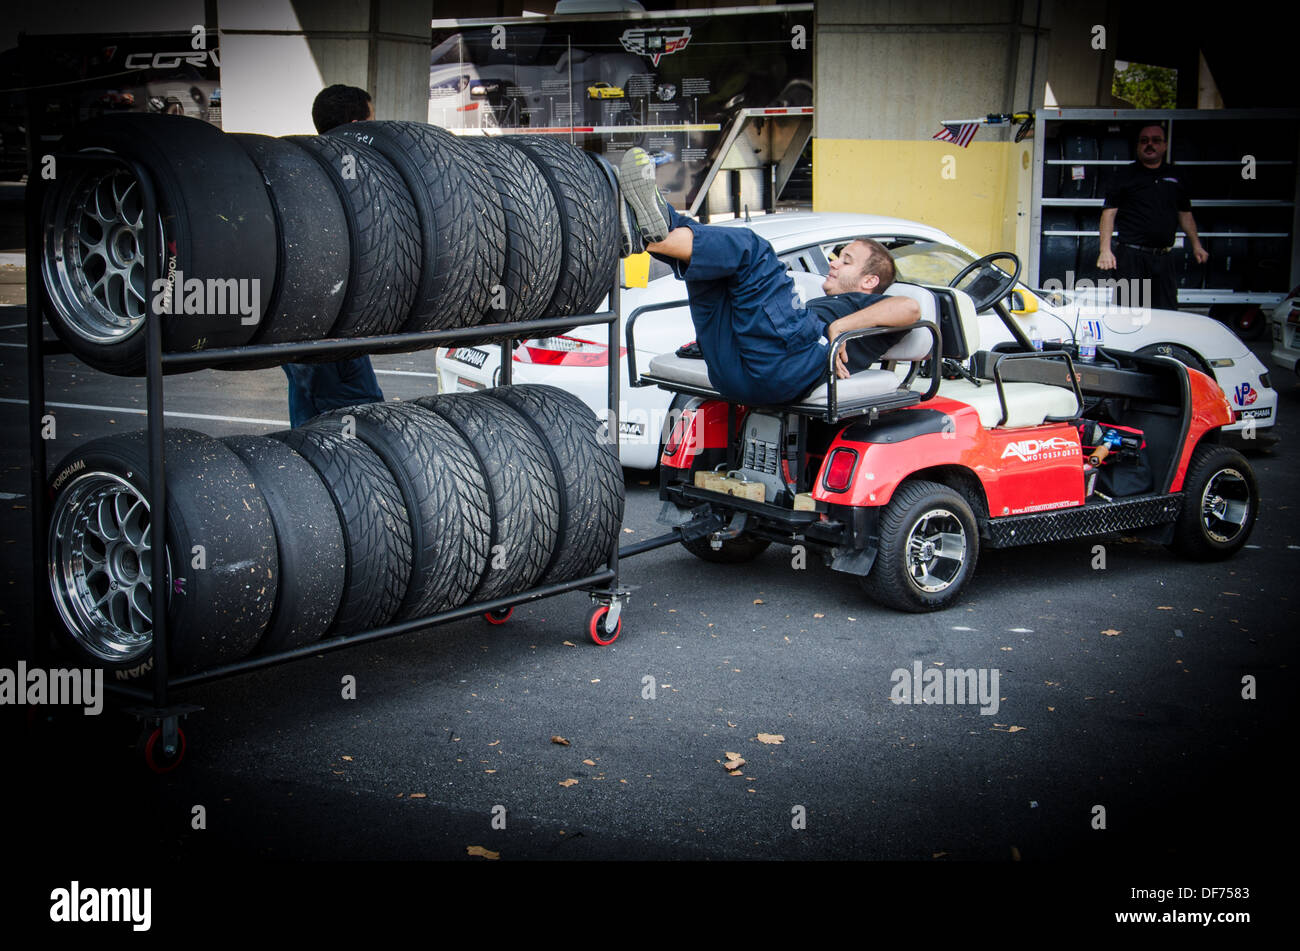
[(864, 385), (1028, 404)]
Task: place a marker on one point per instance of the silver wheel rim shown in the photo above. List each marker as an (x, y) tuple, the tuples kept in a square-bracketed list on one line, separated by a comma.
[(101, 567), (94, 256), (936, 550), (1225, 505)]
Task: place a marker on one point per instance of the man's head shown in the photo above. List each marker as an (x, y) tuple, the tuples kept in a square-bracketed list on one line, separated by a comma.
[(1152, 145), (338, 104), (863, 265)]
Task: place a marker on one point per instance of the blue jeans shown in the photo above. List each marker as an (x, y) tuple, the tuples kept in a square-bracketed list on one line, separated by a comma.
[(760, 345), (316, 388)]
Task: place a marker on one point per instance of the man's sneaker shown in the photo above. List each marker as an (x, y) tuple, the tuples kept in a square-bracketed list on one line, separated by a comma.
[(629, 238), (649, 211)]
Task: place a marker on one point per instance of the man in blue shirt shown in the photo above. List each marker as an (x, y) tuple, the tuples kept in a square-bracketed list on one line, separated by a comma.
[(759, 343), (316, 388)]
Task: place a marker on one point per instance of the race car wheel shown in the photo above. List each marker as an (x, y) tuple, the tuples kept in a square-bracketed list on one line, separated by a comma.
[(1181, 354), (596, 627), (734, 551), (929, 544), (1220, 501), (214, 223)]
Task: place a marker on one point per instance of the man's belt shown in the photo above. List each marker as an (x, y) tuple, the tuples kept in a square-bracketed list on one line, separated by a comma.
[(1139, 247)]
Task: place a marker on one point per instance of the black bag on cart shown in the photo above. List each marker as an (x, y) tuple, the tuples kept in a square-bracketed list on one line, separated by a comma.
[(1125, 468)]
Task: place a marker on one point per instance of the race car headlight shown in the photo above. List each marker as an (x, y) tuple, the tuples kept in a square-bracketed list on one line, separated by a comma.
[(1221, 363)]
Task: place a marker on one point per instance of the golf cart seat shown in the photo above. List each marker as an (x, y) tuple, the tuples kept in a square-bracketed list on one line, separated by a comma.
[(998, 403), (864, 390)]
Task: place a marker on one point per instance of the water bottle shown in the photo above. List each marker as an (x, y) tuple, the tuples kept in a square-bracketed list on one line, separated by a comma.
[(1088, 345), (1036, 337)]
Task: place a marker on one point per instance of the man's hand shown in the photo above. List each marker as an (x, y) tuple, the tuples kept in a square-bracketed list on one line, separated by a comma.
[(897, 312), (1106, 261), (1200, 254)]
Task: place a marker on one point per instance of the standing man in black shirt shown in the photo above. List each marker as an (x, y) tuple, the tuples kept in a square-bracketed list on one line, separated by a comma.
[(1149, 204)]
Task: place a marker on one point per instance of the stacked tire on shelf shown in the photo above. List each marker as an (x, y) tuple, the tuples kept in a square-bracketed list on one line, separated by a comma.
[(366, 516), (373, 228)]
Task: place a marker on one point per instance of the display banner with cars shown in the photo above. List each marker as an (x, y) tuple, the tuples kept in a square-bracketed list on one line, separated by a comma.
[(64, 80), (671, 83)]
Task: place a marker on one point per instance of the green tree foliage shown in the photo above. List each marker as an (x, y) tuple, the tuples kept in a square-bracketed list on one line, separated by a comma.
[(1147, 87)]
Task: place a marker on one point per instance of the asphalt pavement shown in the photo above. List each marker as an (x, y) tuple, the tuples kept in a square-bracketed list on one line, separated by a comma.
[(1118, 688)]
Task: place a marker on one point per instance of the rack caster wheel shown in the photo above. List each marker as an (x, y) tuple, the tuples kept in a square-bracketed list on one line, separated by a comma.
[(151, 748), (499, 616), (596, 626)]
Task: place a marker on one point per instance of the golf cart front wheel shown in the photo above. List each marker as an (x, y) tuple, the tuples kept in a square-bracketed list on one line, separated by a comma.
[(929, 543)]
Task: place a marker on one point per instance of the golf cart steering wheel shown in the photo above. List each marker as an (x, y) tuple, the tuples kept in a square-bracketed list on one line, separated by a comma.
[(993, 285)]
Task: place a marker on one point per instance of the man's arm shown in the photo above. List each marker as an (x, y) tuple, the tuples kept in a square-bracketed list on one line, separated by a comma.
[(1106, 260), (890, 312), (1188, 224)]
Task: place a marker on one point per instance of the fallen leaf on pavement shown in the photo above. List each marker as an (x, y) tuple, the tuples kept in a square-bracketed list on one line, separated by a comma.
[(566, 783), (419, 795), (569, 644), (559, 740), (589, 762), (771, 739), (482, 852), (1111, 632)]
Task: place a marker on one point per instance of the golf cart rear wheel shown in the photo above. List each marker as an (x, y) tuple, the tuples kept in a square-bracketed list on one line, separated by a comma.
[(929, 544), (1220, 501), (734, 551)]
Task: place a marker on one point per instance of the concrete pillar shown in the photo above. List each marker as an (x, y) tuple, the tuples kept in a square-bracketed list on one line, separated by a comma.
[(278, 54)]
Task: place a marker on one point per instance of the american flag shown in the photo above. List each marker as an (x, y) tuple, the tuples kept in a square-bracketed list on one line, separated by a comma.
[(961, 134)]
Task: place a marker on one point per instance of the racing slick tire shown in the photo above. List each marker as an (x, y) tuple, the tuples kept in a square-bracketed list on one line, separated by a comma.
[(308, 538), (220, 547), (215, 224), (929, 543), (1220, 502)]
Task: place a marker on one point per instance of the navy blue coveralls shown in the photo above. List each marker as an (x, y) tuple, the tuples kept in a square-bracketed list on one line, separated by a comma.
[(760, 345)]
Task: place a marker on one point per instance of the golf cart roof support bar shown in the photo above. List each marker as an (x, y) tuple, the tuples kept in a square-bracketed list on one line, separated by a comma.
[(1031, 355)]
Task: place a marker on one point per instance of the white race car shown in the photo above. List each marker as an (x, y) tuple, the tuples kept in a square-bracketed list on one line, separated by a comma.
[(806, 241), (1285, 324)]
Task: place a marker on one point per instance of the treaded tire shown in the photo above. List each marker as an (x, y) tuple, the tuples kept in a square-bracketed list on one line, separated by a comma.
[(588, 223), (383, 232), (590, 478), (312, 242), (533, 243), (734, 551), (217, 224), (891, 581), (524, 500), (428, 159), (309, 542), (445, 493), (215, 613), (1204, 530), (376, 531)]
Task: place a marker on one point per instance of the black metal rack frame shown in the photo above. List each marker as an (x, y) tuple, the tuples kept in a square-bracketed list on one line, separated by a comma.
[(603, 586)]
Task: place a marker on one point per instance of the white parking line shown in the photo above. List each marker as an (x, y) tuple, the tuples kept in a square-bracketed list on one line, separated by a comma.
[(175, 413), (1021, 630), (406, 373)]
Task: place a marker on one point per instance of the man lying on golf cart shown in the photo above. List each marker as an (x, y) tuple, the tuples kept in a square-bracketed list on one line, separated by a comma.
[(900, 478)]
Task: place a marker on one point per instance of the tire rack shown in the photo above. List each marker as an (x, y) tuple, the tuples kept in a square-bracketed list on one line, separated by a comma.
[(156, 706)]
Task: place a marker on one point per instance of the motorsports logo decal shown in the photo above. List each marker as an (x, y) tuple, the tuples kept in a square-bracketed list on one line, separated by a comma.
[(656, 43), (1245, 394), (1026, 449)]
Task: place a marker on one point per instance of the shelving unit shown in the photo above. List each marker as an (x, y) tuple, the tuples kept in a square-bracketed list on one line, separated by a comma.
[(155, 705), (1248, 225)]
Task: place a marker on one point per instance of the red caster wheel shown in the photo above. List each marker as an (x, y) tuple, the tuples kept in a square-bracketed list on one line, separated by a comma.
[(499, 616), (154, 755), (596, 626)]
